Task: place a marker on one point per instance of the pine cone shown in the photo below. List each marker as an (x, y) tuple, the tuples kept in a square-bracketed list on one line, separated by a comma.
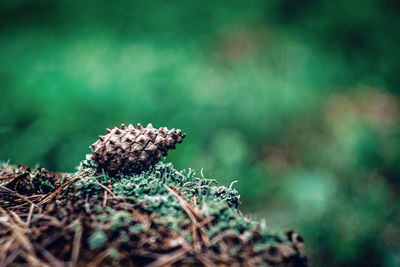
[(129, 150)]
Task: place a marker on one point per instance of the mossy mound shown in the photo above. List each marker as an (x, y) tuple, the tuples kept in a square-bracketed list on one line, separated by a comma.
[(161, 217), (149, 189)]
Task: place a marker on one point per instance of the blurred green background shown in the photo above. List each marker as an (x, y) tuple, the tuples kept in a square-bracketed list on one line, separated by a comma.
[(297, 100)]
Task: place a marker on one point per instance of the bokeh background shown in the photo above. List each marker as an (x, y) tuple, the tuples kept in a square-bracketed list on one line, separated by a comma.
[(296, 100)]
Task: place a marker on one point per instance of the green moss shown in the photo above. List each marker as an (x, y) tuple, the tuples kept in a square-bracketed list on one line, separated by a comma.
[(137, 228), (41, 185), (113, 253), (118, 218), (97, 240), (148, 189)]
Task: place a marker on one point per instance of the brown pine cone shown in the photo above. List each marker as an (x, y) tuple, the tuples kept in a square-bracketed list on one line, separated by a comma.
[(133, 150)]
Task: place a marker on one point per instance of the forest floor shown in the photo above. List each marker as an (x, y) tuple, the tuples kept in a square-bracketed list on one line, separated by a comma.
[(159, 218)]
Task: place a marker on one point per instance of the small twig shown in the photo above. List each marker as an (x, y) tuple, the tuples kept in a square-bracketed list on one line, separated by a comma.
[(87, 204), (28, 220), (50, 196), (18, 219), (52, 238), (16, 194), (76, 245), (195, 227), (105, 188), (18, 232), (52, 219), (221, 236), (202, 223), (11, 257), (183, 204), (206, 262), (170, 258), (33, 260), (105, 199), (50, 257)]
